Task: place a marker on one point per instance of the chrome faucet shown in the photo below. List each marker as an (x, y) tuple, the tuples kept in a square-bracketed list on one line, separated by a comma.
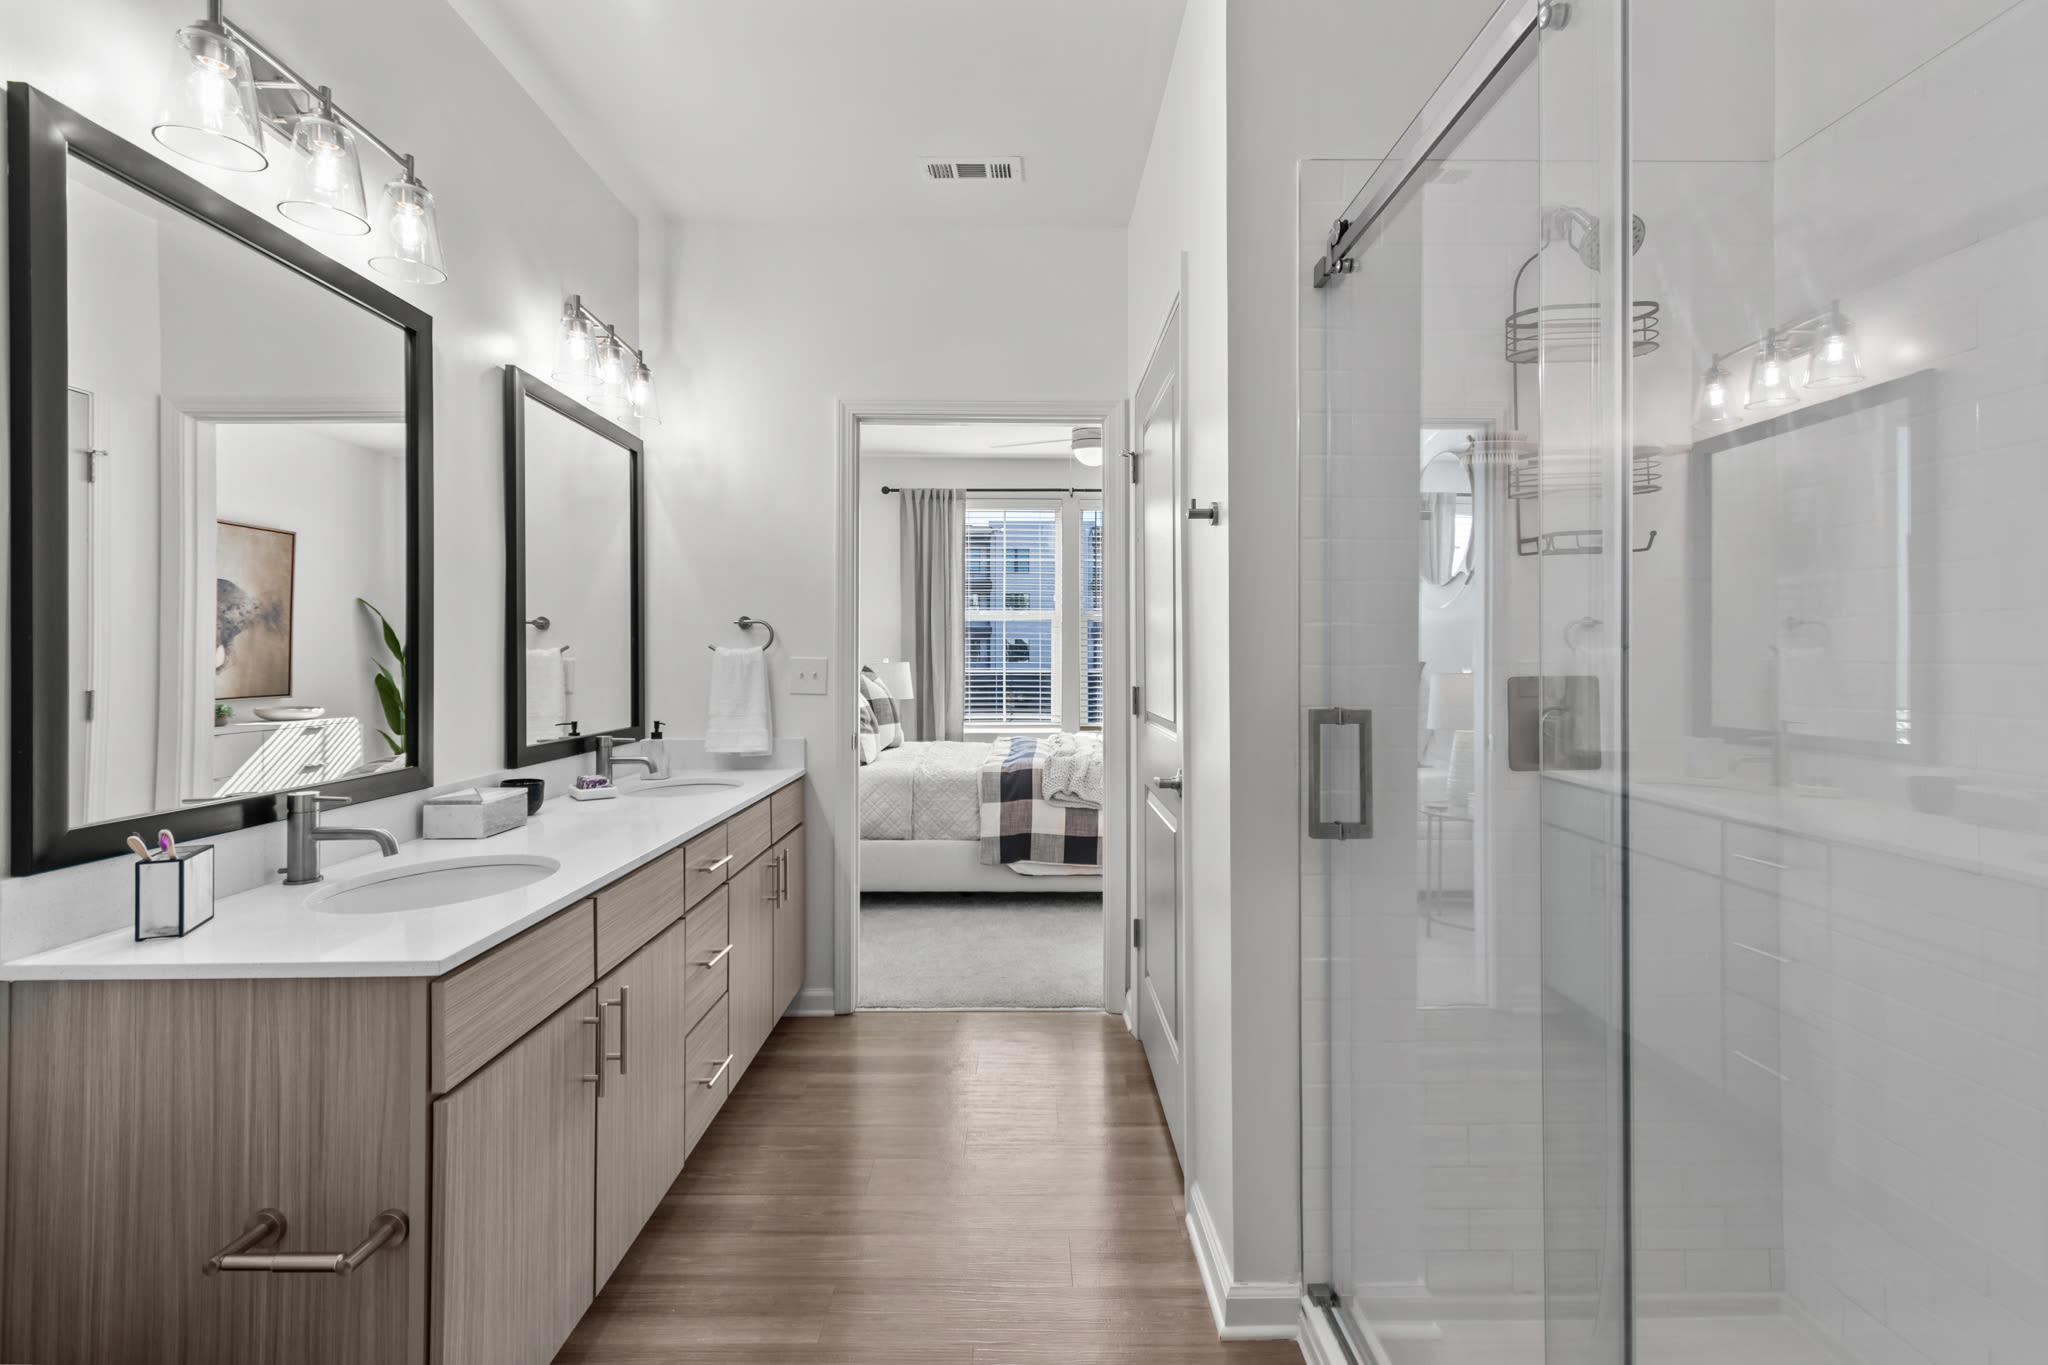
[(303, 835), (607, 760)]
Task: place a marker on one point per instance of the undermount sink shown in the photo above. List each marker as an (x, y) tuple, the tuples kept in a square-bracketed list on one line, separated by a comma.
[(684, 786), (427, 886)]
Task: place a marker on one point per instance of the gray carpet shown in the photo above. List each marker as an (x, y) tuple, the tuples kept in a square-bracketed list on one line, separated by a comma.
[(946, 951)]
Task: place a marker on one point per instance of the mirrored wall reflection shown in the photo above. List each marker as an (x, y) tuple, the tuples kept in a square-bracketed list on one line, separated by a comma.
[(238, 517)]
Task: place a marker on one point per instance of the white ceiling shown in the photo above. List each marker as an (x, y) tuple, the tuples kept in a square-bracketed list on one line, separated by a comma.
[(822, 109), (937, 440)]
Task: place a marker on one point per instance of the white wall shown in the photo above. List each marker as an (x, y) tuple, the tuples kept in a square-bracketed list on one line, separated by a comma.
[(766, 327), (524, 221), (352, 545), (881, 525)]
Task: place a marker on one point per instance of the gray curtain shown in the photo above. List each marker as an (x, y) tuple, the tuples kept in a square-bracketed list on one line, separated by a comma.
[(935, 608)]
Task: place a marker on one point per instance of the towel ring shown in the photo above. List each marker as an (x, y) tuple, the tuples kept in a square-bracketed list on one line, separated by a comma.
[(745, 622)]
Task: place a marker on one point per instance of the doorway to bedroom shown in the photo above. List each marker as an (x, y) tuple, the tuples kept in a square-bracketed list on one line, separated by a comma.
[(984, 614)]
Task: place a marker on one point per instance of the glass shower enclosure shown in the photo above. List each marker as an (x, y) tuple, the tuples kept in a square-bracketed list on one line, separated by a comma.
[(1675, 637)]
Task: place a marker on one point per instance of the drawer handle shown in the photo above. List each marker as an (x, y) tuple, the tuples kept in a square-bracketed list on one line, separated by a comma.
[(1762, 862), (1762, 952), (782, 889), (708, 963), (712, 1080), (713, 867), (267, 1228), (1767, 1070)]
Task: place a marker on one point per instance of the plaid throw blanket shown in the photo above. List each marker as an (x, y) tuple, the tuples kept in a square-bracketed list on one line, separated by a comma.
[(1018, 825)]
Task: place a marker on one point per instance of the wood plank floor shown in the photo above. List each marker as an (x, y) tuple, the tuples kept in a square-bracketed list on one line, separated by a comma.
[(924, 1189)]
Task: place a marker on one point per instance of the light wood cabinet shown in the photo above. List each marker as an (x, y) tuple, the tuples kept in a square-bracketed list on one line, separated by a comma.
[(707, 950), (789, 923), (710, 1060), (515, 1162), (752, 1012), (640, 1119)]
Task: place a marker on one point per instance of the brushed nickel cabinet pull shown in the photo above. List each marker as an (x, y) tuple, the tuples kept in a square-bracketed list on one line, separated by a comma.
[(708, 963), (387, 1230), (782, 890), (597, 1077), (713, 867), (713, 1079), (620, 1005)]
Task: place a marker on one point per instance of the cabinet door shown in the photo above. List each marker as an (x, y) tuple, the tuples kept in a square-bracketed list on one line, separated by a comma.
[(789, 925), (752, 988), (515, 1157), (640, 1124)]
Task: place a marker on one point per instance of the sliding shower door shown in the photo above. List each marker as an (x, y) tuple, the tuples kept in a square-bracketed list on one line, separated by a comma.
[(1739, 316)]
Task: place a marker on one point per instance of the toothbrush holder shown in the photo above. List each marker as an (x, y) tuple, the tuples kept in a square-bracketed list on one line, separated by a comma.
[(174, 896)]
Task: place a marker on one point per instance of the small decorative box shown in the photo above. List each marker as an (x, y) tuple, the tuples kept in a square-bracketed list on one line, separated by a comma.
[(174, 896), (473, 813)]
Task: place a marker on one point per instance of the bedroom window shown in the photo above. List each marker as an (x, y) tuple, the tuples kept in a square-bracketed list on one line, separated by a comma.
[(1034, 644)]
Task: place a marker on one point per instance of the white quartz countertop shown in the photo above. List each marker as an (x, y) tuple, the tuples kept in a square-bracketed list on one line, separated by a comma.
[(270, 932)]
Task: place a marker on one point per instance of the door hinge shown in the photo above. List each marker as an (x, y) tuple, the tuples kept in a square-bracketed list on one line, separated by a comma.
[(1132, 456), (1137, 933), (1137, 699), (92, 465), (88, 704)]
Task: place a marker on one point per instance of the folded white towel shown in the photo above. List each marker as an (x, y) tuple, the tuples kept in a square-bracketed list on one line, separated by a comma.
[(547, 694), (740, 722)]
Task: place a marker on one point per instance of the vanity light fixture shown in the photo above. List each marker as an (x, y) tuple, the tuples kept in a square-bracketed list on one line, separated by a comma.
[(209, 110), (216, 109), (1770, 376), (594, 363), (1827, 343)]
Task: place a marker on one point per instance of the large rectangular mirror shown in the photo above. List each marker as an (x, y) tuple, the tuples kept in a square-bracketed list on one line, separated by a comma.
[(1812, 559), (221, 469), (574, 574)]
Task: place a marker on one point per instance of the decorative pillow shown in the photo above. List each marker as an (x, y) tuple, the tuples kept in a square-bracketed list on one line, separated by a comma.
[(888, 720), (870, 739)]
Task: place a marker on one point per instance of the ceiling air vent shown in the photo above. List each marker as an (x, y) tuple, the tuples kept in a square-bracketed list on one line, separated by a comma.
[(1007, 168)]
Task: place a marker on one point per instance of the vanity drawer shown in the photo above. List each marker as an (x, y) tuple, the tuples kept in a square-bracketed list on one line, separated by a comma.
[(707, 955), (1771, 860), (747, 835), (706, 857), (632, 910), (788, 807), (709, 1058), (485, 1006)]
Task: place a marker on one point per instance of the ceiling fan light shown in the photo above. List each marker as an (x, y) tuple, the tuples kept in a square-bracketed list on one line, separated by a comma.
[(209, 107)]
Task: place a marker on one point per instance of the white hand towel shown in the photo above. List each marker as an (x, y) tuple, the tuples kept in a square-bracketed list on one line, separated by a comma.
[(740, 722), (547, 699)]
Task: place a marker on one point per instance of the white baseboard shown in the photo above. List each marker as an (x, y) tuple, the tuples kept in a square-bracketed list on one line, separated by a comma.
[(811, 1001), (1243, 1311)]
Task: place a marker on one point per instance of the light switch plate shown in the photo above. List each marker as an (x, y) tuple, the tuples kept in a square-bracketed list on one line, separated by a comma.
[(807, 678)]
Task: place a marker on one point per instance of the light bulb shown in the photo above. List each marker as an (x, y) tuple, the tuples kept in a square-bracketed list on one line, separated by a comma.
[(1770, 379), (326, 192), (640, 392), (209, 107), (1714, 406), (1834, 361), (573, 350), (412, 238)]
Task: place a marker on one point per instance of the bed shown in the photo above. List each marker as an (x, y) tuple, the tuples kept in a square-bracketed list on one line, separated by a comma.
[(922, 826)]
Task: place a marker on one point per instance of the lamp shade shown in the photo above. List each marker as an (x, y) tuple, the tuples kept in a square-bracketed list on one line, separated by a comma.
[(1450, 701), (209, 107), (895, 675), (411, 246), (326, 191)]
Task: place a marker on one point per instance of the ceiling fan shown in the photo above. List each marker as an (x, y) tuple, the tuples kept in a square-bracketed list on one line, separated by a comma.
[(1084, 442)]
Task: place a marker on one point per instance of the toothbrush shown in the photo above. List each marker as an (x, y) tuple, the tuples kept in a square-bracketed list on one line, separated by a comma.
[(141, 849), (169, 845)]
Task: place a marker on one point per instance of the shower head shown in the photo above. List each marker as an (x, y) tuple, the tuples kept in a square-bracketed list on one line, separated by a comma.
[(1588, 246)]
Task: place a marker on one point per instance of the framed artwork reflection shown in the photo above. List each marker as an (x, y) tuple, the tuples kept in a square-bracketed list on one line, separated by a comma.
[(252, 636)]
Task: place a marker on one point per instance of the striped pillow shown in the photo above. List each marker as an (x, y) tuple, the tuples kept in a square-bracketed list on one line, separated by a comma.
[(870, 738), (888, 720)]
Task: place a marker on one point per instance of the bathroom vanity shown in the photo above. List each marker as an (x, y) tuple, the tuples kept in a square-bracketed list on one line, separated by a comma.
[(519, 1077)]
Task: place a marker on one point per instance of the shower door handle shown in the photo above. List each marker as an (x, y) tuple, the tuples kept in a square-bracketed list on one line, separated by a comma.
[(1323, 822)]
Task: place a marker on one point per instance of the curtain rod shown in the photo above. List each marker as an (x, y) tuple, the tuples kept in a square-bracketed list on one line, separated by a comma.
[(1070, 492)]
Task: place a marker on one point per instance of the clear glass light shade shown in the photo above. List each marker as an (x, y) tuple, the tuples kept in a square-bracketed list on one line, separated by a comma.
[(575, 352), (640, 393), (326, 191), (1717, 398), (1770, 377), (1834, 361), (409, 249), (608, 387), (209, 109)]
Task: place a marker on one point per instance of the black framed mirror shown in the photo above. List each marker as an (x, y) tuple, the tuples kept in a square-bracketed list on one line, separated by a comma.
[(222, 521), (574, 577)]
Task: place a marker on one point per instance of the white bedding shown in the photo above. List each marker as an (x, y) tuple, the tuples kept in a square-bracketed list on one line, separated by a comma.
[(923, 790)]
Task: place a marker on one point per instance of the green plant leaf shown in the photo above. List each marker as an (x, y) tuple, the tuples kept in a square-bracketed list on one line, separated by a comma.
[(394, 705), (390, 690), (396, 746)]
